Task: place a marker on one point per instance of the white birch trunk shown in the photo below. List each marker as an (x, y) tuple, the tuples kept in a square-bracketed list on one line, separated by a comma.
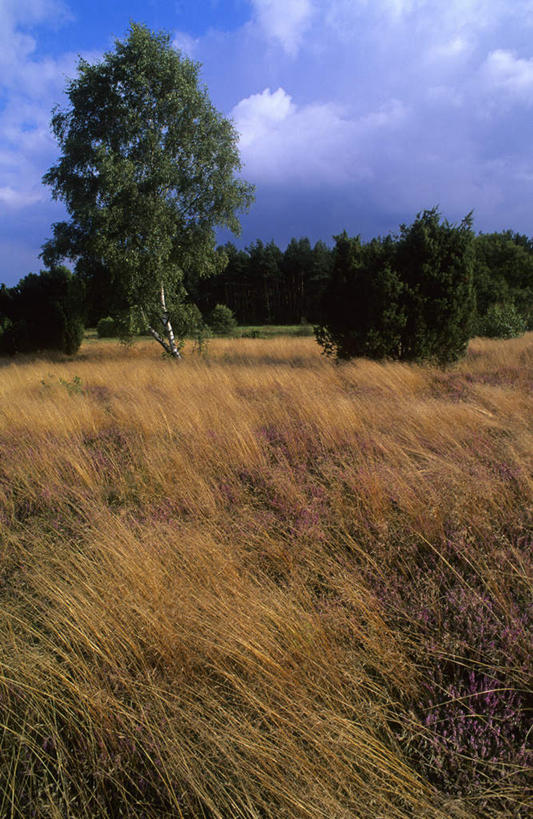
[(169, 346), (172, 346)]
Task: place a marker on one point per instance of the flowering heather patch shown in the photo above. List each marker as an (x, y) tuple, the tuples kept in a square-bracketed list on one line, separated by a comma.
[(475, 738), (107, 448), (474, 704), (452, 387), (470, 633)]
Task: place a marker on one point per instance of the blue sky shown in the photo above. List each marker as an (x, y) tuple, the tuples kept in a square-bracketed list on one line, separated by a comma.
[(353, 114)]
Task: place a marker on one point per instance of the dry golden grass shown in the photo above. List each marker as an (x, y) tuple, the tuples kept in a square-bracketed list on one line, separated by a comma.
[(210, 570)]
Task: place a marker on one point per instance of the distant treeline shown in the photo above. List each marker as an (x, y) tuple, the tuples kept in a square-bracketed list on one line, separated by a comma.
[(261, 285), (265, 285)]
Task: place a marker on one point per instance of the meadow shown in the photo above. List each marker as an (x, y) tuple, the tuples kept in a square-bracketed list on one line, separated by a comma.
[(257, 584)]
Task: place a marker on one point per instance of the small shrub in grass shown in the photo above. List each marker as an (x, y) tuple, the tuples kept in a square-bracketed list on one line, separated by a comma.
[(222, 321), (188, 323), (253, 334), (107, 328), (408, 297), (502, 321), (72, 336)]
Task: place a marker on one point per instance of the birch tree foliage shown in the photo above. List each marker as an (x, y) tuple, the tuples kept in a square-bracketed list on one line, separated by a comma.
[(148, 169)]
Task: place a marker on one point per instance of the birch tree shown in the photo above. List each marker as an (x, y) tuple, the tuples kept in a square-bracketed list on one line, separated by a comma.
[(148, 169)]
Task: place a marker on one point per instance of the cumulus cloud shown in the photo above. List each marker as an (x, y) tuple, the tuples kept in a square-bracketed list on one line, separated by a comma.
[(430, 17), (284, 20), (281, 142), (259, 115), (513, 75), (313, 144), (18, 66), (31, 86), (450, 48), (185, 43), (17, 199)]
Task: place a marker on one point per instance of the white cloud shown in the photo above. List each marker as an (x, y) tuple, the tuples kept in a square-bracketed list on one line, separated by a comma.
[(260, 114), (315, 144), (284, 20), (31, 85), (513, 75), (280, 141), (18, 199), (432, 16), (399, 8), (390, 115), (185, 43), (451, 49), (16, 45), (444, 95)]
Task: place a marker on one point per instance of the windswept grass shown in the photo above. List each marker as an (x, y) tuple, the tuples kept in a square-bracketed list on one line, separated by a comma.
[(261, 585)]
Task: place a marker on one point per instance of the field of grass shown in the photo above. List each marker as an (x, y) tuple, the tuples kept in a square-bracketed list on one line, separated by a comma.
[(271, 330), (242, 331), (256, 584)]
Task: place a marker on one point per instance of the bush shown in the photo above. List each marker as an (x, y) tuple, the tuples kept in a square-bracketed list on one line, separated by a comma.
[(72, 336), (408, 297), (253, 334), (502, 321), (107, 328), (435, 261), (222, 321), (42, 312), (188, 322), (123, 324), (363, 314), (15, 338), (503, 275)]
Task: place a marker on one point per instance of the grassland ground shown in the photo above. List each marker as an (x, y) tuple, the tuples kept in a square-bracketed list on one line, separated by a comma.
[(242, 331), (256, 584)]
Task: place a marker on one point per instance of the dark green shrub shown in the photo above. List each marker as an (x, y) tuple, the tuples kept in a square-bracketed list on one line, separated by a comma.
[(222, 321), (72, 335), (435, 261), (363, 314), (503, 274), (408, 297), (42, 312), (188, 322), (15, 338), (107, 328)]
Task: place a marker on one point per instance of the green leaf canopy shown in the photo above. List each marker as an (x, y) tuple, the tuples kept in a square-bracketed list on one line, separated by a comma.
[(147, 171)]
